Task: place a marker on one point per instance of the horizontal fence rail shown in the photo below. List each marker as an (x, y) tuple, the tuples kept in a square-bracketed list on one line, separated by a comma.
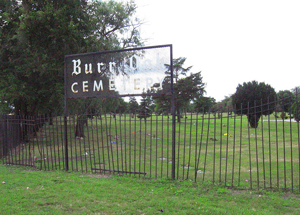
[(220, 147)]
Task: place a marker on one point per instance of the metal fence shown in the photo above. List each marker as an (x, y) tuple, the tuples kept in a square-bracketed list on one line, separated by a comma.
[(218, 147)]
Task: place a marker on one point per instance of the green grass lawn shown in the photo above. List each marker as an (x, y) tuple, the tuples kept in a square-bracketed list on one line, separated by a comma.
[(30, 191)]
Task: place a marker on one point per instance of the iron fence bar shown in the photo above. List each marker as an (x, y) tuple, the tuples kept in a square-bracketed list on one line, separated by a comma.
[(297, 114), (17, 150), (206, 147), (256, 144), (116, 141), (30, 148), (284, 158), (291, 145), (190, 143), (9, 144), (102, 141), (241, 137), (184, 146), (233, 150), (199, 152), (41, 149), (86, 144), (178, 149), (221, 146), (74, 146), (249, 144), (227, 140), (277, 150), (125, 140), (58, 142), (111, 146), (119, 140), (214, 153), (45, 146), (150, 146), (120, 50), (51, 142), (168, 145), (93, 155), (262, 144), (162, 146), (66, 142), (130, 143), (196, 147), (270, 148), (145, 144), (140, 144), (291, 151), (98, 161), (173, 114), (119, 171), (135, 144), (156, 147)]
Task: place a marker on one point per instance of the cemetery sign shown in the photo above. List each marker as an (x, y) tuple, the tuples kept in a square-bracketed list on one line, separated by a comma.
[(127, 72)]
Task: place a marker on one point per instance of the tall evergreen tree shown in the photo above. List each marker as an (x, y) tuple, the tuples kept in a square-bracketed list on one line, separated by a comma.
[(133, 105), (178, 68), (145, 110)]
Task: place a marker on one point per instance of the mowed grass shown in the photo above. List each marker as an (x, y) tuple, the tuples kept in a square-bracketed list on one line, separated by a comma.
[(30, 191), (208, 148)]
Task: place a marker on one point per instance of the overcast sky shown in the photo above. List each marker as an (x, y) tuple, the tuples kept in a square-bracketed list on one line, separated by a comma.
[(230, 41)]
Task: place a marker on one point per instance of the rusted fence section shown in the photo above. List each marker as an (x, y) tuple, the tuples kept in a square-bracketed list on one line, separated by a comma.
[(217, 147)]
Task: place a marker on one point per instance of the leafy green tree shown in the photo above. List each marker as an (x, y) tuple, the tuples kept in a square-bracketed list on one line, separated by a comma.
[(185, 90), (254, 100), (285, 99), (204, 104), (223, 106), (295, 110), (37, 34)]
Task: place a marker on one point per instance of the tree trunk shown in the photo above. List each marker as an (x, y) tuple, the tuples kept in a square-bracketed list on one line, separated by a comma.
[(253, 119), (81, 121), (178, 115)]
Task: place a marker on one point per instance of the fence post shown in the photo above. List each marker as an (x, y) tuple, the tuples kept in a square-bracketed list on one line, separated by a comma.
[(66, 143), (173, 114), (4, 136), (66, 121)]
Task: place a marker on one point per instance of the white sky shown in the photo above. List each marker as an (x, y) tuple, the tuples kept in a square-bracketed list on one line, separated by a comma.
[(230, 41)]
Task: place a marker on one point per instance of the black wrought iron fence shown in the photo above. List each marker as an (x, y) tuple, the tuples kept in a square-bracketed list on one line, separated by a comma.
[(220, 147)]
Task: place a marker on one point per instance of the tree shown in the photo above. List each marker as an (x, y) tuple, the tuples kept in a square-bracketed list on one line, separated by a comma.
[(223, 106), (185, 90), (295, 110), (254, 100), (285, 100), (37, 34), (178, 68), (35, 37), (133, 105), (144, 110), (204, 104)]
